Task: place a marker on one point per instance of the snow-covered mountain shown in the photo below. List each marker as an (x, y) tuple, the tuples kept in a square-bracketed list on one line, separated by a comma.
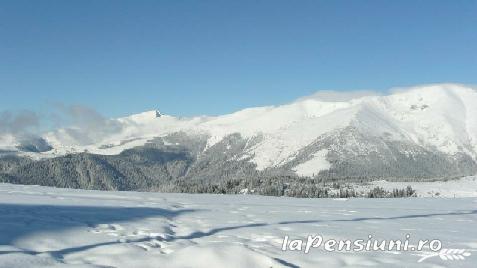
[(414, 132)]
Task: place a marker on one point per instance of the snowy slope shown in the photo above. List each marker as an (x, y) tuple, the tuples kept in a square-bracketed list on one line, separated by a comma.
[(48, 227), (442, 116), (439, 117)]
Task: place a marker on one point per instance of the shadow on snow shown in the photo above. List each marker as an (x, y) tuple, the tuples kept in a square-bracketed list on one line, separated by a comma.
[(17, 221), (200, 234)]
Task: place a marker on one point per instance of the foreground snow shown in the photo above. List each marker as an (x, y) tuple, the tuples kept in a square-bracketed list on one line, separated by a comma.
[(48, 227)]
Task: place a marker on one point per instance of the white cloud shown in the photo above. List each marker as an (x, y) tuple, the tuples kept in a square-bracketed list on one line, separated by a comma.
[(335, 95), (87, 126), (22, 122)]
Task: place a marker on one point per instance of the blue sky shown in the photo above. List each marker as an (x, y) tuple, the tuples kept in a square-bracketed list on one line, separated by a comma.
[(214, 57)]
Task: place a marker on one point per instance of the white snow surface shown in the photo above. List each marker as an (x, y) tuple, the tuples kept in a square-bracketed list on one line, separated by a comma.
[(314, 165), (442, 116), (48, 227)]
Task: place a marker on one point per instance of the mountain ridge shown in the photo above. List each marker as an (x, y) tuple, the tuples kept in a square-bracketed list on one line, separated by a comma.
[(407, 134)]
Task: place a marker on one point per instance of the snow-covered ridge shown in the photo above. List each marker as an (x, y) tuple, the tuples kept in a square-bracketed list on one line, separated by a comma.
[(441, 116)]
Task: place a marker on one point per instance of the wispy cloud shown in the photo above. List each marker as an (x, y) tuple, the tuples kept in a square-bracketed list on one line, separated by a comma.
[(346, 95), (336, 95), (19, 123), (84, 125), (78, 124)]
